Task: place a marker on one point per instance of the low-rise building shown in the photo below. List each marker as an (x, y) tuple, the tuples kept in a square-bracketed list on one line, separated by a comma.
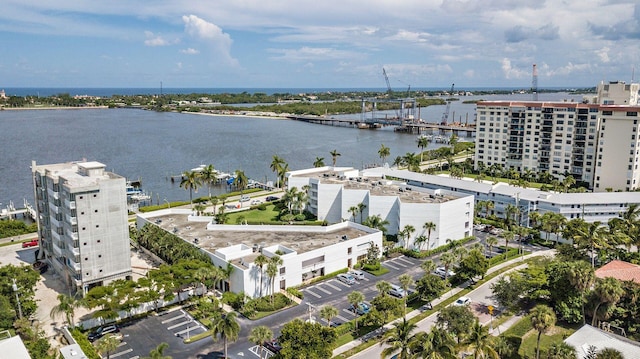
[(332, 192)]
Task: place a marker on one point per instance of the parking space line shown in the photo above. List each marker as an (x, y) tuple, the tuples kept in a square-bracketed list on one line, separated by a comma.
[(396, 262), (342, 318), (135, 357), (172, 319), (122, 344), (343, 284), (312, 293), (334, 287), (389, 265), (121, 353), (406, 261), (179, 324), (322, 289), (348, 311)]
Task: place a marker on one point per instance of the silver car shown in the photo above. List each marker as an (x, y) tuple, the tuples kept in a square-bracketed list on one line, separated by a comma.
[(346, 278)]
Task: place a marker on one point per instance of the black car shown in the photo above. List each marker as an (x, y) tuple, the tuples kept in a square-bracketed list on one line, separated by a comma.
[(273, 346), (271, 198), (102, 331)]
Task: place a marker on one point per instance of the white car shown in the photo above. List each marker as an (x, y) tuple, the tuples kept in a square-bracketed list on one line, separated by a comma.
[(357, 274), (245, 198), (462, 301), (255, 201), (440, 271), (396, 291), (346, 278)]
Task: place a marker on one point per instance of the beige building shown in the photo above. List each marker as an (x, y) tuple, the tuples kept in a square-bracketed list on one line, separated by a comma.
[(82, 222), (594, 141)]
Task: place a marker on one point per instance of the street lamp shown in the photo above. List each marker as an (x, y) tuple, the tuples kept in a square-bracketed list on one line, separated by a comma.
[(14, 286), (168, 204)]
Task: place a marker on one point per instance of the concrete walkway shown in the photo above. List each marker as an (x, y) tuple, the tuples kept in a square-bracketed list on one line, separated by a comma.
[(447, 295)]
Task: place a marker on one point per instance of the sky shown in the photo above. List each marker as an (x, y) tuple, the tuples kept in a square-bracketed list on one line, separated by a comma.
[(317, 43)]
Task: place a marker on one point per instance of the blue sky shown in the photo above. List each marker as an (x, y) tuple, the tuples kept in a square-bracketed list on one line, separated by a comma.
[(320, 43)]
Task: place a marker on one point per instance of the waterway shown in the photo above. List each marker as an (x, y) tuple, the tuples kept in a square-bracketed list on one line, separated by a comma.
[(153, 146)]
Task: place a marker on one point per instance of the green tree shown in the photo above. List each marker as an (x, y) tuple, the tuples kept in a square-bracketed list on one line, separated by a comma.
[(591, 236), (474, 264), (354, 211), (491, 242), (398, 338), (437, 344), (354, 298), (241, 182), (376, 222), (272, 270), (191, 182), (609, 353), (508, 237), (606, 291), (260, 261), (457, 320), (582, 278), (259, 335), (429, 226), (209, 177), (447, 259), (383, 287), (430, 287), (406, 233), (542, 319), (561, 350), (107, 344), (406, 281), (328, 312), (384, 152), (334, 157), (423, 142), (158, 352), (361, 207), (319, 162), (67, 306), (277, 164), (480, 342), (306, 340), (227, 327)]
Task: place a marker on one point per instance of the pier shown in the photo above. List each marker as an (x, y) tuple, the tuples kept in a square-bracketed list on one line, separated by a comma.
[(10, 212)]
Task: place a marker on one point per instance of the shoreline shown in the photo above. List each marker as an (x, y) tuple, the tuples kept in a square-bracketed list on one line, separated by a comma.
[(52, 108)]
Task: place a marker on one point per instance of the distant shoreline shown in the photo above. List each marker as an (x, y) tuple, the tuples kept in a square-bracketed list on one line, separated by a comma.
[(52, 108)]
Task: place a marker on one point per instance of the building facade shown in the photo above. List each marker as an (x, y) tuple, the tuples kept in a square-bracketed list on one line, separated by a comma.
[(565, 138), (82, 222)]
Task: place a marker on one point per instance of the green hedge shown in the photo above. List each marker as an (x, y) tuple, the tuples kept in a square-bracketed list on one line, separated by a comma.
[(344, 328), (295, 292), (424, 254), (84, 343)]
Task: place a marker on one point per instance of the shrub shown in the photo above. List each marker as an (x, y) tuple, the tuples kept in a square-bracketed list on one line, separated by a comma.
[(235, 300), (264, 304), (371, 267), (86, 346), (300, 217), (344, 328), (295, 292)]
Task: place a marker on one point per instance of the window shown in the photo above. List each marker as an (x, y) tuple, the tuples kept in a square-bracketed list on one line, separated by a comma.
[(350, 250), (283, 270)]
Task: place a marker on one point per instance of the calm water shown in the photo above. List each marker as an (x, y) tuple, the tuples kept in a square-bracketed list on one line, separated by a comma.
[(153, 146)]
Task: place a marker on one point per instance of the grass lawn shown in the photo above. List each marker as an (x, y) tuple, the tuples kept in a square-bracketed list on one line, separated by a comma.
[(378, 272), (555, 335), (255, 215)]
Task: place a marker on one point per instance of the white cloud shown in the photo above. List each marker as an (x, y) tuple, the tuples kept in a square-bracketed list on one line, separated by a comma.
[(307, 53), (155, 40), (190, 51), (603, 54), (212, 35), (511, 72)]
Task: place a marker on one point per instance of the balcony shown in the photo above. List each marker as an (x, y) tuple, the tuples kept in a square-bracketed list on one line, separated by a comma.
[(71, 220), (70, 204)]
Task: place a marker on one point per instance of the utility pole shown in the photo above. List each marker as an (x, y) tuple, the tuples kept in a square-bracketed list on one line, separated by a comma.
[(14, 286)]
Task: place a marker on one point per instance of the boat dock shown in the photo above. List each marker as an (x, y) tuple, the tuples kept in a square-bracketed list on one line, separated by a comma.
[(10, 212)]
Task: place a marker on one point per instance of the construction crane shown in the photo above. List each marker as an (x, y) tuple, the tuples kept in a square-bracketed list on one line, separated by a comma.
[(386, 78), (445, 115)]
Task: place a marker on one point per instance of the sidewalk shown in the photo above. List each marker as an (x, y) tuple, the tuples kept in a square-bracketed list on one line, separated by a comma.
[(18, 239), (446, 296)]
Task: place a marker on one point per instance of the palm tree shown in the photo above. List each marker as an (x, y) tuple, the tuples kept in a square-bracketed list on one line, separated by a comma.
[(398, 338), (406, 281), (561, 350), (429, 226), (609, 353), (509, 212), (272, 271), (383, 287), (276, 166), (567, 182), (581, 278), (208, 175), (260, 262), (423, 142), (208, 272), (542, 318), (428, 266), (158, 352), (319, 162), (240, 181), (447, 259), (190, 181), (384, 152), (507, 235), (406, 232), (107, 344), (334, 157), (259, 335), (328, 312), (452, 142), (480, 341), (591, 235), (354, 211), (376, 222), (67, 306), (227, 327), (361, 207), (354, 298), (491, 242), (607, 290), (419, 241), (437, 344)]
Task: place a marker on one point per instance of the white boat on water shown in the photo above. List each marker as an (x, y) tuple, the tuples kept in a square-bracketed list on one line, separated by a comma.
[(220, 175)]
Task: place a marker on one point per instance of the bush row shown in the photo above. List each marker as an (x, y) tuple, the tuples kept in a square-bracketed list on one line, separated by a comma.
[(424, 254)]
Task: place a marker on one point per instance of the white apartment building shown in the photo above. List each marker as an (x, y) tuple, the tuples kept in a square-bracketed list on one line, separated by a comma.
[(82, 222), (333, 191), (564, 137), (306, 251)]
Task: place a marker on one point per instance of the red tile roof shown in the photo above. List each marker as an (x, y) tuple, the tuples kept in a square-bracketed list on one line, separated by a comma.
[(620, 270)]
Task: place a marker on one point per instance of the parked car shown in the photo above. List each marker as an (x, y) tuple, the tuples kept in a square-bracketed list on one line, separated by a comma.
[(271, 198), (102, 331), (462, 301), (244, 199), (41, 267), (346, 278), (273, 346), (442, 272), (396, 291), (357, 274), (255, 201), (31, 243), (361, 309)]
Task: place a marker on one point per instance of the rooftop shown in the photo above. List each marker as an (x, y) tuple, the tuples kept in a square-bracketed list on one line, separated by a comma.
[(620, 270)]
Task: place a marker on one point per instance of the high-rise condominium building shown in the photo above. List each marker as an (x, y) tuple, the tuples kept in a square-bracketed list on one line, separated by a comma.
[(594, 141), (82, 222)]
